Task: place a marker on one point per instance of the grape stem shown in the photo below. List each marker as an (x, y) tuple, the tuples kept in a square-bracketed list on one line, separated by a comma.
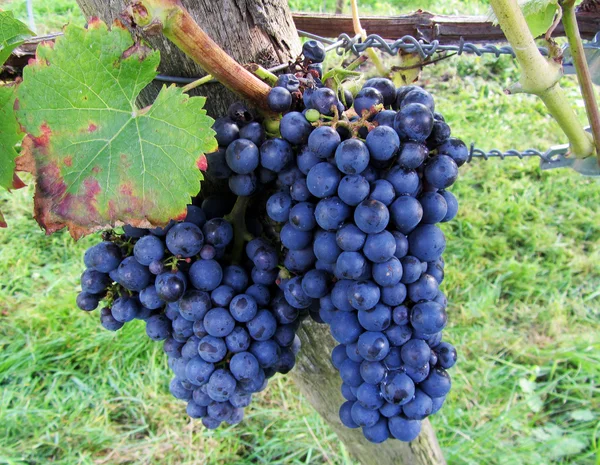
[(583, 71), (170, 18), (540, 76), (381, 69), (237, 218)]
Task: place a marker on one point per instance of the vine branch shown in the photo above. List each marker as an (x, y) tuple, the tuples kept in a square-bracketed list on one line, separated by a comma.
[(540, 76), (583, 71), (170, 18)]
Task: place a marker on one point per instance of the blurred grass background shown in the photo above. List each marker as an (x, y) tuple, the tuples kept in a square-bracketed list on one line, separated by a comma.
[(523, 280)]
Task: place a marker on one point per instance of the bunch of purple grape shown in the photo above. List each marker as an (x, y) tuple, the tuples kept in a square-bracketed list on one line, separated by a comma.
[(226, 327), (349, 188)]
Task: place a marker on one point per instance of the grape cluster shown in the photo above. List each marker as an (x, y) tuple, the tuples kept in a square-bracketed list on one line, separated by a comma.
[(359, 233), (347, 191), (226, 327)]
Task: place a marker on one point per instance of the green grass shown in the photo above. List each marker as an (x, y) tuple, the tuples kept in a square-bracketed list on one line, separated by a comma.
[(523, 280)]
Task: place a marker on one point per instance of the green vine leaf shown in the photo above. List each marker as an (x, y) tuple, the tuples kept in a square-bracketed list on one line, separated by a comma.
[(539, 14), (9, 136), (101, 161), (12, 34)]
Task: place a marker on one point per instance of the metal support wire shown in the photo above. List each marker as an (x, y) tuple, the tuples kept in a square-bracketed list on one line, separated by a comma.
[(410, 44)]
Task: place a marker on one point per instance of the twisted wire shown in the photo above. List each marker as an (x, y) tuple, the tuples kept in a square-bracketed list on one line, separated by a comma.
[(410, 44)]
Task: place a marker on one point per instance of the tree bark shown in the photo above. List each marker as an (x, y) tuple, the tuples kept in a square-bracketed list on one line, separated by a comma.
[(252, 31), (262, 31)]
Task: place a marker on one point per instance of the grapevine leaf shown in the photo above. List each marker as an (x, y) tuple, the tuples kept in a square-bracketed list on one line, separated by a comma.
[(12, 34), (539, 14), (408, 70), (9, 136), (100, 160)]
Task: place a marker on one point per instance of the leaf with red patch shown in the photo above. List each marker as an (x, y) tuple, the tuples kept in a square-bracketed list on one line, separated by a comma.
[(101, 161)]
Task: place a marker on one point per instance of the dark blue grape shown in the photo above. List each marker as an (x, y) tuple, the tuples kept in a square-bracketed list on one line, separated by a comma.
[(103, 257), (125, 309), (253, 132), (198, 371), (366, 99), (427, 242), (295, 128), (363, 416), (434, 206), (383, 143), (406, 213), (404, 429), (352, 156), (323, 180), (289, 82), (94, 282), (235, 277), (383, 191), (388, 273), (279, 206), (398, 335), (242, 156), (212, 349), (385, 86), (412, 155), (452, 205), (222, 295), (411, 268), (331, 213), (324, 101), (221, 385), (385, 118), (266, 352), (276, 154), (425, 288), (369, 396), (323, 142), (364, 295), (441, 171), (243, 366), (405, 182), (398, 388), (226, 131), (302, 216), (414, 121), (150, 299), (437, 383), (446, 355), (428, 318), (185, 240), (377, 318), (371, 216), (306, 159), (353, 189), (279, 99), (314, 51), (314, 284), (243, 185), (293, 238), (455, 149), (206, 275), (346, 415), (87, 302), (238, 340), (373, 346), (325, 246), (299, 191), (380, 247), (350, 265), (421, 96), (349, 238), (345, 327)]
